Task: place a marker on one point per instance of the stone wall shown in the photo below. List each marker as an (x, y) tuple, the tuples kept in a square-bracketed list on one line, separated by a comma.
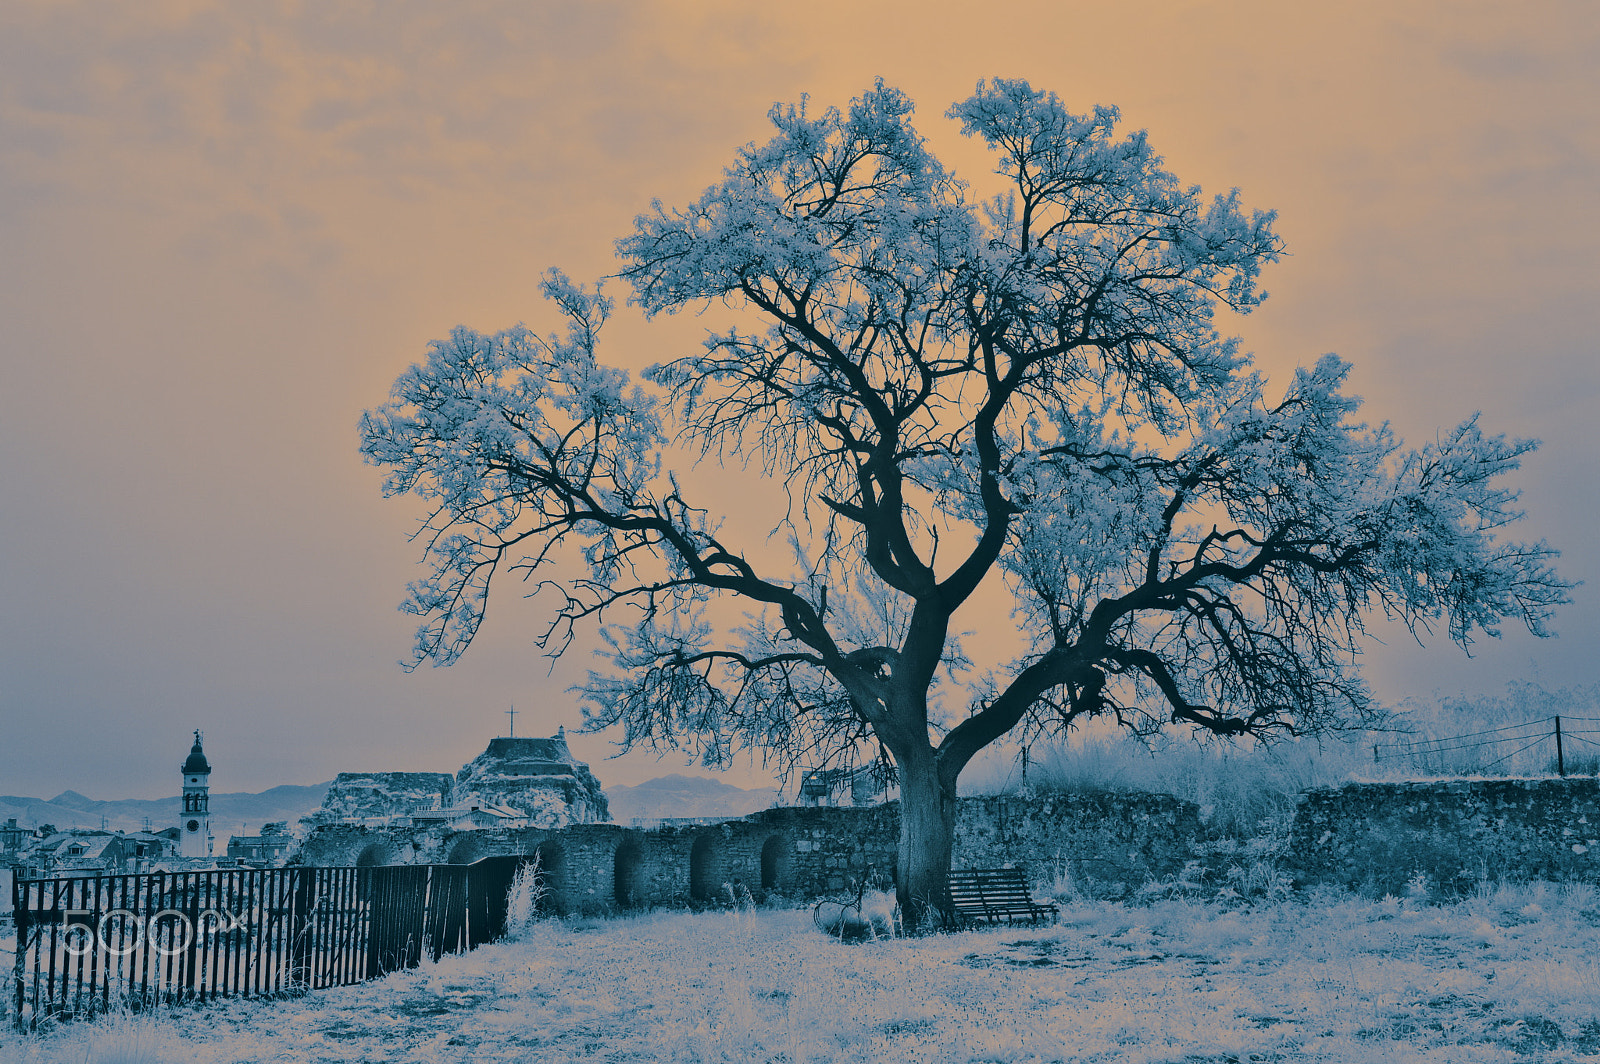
[(1108, 844), (1104, 844), (1378, 837), (1372, 837)]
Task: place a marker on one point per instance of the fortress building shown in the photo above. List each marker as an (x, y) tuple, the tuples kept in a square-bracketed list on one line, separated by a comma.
[(538, 778), (516, 781)]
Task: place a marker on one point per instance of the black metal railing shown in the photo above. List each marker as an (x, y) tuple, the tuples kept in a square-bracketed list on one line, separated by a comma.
[(90, 944)]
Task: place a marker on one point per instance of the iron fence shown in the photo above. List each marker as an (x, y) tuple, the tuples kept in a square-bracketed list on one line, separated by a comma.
[(94, 943)]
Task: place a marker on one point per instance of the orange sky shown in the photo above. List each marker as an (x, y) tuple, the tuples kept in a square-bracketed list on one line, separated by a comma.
[(224, 229)]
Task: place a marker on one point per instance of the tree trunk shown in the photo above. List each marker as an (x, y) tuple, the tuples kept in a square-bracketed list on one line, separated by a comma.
[(927, 835)]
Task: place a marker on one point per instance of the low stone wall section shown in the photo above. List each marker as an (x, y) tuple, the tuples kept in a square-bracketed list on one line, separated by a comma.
[(1104, 845), (1108, 844), (1380, 837), (1377, 837)]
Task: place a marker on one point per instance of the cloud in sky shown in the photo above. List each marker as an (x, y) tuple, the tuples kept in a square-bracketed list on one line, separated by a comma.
[(228, 227)]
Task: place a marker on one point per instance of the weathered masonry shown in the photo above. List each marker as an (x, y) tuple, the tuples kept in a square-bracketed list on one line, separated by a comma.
[(1114, 842), (1378, 837), (1374, 837)]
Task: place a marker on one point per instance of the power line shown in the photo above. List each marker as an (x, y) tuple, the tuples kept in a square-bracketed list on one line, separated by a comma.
[(1551, 728), (1514, 753), (1473, 735), (1419, 750)]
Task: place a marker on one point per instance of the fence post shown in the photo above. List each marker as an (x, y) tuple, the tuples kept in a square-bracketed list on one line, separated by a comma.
[(300, 929), (19, 912), (1561, 761)]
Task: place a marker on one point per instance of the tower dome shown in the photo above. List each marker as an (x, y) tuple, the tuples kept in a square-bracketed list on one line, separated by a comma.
[(196, 765)]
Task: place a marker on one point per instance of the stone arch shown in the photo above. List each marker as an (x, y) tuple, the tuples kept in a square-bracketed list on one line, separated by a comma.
[(775, 863), (627, 875), (706, 861), (466, 848), (373, 854), (552, 876)]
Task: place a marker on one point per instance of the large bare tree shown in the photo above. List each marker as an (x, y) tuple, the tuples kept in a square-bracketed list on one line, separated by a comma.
[(1028, 389)]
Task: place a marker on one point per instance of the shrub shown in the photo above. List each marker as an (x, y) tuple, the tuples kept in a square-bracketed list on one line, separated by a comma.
[(525, 900)]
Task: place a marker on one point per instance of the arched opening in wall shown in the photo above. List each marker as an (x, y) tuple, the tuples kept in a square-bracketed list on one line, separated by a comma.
[(705, 868), (375, 854), (550, 881), (774, 862), (467, 848), (627, 876)]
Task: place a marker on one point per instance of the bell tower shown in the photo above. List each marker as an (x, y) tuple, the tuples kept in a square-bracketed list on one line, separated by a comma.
[(195, 828)]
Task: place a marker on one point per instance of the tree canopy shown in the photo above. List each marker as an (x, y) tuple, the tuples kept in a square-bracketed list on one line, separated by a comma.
[(1030, 386)]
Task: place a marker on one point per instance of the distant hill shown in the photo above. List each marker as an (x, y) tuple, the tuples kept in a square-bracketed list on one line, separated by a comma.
[(69, 809), (686, 796), (667, 796)]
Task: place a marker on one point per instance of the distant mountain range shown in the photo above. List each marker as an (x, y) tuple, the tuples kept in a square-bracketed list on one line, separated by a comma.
[(231, 814), (237, 813), (686, 796)]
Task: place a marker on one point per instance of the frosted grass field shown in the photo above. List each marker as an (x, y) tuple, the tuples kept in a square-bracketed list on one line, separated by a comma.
[(1508, 975)]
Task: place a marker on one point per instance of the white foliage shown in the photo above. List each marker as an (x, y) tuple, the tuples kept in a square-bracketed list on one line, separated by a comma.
[(875, 914), (1032, 383), (1507, 975), (525, 900)]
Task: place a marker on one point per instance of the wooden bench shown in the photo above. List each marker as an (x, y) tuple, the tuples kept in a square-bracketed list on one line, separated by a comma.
[(992, 893)]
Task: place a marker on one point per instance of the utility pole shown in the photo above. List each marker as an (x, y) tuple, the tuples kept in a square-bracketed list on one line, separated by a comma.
[(1561, 761)]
